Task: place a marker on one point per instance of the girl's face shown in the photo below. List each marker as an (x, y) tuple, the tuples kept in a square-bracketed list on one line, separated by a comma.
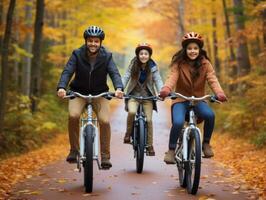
[(93, 44), (192, 50), (144, 56)]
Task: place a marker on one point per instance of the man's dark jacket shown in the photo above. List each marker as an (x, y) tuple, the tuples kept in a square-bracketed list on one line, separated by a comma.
[(90, 80)]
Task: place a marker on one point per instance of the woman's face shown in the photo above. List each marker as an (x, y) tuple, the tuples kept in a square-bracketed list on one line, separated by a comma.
[(192, 50), (144, 56)]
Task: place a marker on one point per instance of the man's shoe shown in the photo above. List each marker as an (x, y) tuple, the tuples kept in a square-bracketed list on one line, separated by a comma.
[(150, 151), (207, 150), (72, 156), (106, 164), (169, 157), (127, 139)]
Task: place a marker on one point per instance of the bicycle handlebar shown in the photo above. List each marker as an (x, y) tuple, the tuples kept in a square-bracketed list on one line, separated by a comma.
[(107, 95), (154, 98), (211, 98)]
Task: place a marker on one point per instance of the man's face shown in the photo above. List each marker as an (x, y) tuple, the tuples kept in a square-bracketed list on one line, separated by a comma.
[(93, 44)]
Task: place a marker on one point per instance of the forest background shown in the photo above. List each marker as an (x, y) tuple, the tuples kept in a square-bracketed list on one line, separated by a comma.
[(38, 36)]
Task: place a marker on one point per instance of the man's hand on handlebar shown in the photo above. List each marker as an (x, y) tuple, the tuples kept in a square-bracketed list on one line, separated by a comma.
[(119, 93), (61, 93)]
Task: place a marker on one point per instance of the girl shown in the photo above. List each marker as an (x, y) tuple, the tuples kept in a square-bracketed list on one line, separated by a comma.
[(190, 69), (140, 78)]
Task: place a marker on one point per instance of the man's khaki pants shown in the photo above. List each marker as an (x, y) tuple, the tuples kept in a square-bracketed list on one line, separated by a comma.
[(101, 108), (148, 109)]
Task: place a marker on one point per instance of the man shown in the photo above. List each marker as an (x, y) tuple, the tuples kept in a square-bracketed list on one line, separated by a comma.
[(90, 63)]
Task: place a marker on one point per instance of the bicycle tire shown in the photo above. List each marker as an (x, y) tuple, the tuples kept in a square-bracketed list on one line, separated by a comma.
[(193, 170), (180, 165), (88, 165), (140, 146)]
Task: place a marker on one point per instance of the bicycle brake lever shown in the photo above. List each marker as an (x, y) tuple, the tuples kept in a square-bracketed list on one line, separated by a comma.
[(172, 96), (214, 99)]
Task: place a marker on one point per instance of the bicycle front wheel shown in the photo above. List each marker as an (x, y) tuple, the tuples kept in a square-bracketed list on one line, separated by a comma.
[(88, 164), (193, 165), (140, 146), (180, 163)]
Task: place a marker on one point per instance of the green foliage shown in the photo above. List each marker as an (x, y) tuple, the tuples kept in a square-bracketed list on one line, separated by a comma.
[(245, 115), (25, 131)]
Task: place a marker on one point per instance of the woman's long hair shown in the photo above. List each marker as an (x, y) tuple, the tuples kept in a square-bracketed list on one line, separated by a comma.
[(136, 68), (181, 57)]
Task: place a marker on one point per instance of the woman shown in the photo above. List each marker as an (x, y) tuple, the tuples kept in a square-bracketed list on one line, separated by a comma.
[(190, 70), (140, 78)]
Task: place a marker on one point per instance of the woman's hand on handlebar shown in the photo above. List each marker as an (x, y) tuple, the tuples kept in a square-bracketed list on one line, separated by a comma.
[(165, 92), (61, 93), (221, 97)]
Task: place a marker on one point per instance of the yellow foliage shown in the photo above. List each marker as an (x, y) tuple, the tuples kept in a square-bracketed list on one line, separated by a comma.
[(46, 126)]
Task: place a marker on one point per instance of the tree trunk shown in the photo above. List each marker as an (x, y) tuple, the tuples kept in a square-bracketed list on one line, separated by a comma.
[(36, 61), (181, 19), (26, 67), (264, 26), (228, 32), (15, 71), (1, 36), (1, 22), (5, 71), (215, 42), (242, 49)]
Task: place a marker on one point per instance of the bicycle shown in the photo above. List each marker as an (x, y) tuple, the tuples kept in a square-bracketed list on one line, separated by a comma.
[(188, 151), (89, 139), (139, 132)]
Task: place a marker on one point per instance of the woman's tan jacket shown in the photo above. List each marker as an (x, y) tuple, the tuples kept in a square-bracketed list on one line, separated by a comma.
[(179, 80)]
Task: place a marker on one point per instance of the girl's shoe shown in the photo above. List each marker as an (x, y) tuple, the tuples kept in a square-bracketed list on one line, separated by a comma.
[(150, 151), (127, 139)]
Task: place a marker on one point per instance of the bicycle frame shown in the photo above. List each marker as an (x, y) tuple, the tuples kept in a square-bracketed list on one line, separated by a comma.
[(139, 116), (191, 125)]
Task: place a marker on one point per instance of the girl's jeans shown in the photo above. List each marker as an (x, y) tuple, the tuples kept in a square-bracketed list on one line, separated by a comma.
[(179, 110)]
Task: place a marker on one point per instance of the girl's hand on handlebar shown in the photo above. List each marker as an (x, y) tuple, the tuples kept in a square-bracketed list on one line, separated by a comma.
[(61, 93), (119, 93)]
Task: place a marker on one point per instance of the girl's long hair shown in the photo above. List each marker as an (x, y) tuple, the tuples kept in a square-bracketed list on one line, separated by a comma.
[(136, 68), (181, 57)]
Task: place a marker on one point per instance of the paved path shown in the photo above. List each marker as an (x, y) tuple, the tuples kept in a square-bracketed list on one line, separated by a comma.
[(157, 182)]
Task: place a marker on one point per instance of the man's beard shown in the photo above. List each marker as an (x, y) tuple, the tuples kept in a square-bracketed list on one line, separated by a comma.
[(92, 53)]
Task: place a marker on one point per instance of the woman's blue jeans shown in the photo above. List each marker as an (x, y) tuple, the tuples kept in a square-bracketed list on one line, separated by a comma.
[(179, 110)]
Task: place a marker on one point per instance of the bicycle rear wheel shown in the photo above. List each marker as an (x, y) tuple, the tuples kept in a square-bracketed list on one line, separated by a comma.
[(88, 164), (193, 166), (140, 146)]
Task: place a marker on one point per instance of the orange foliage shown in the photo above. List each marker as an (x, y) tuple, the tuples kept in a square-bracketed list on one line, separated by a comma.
[(246, 161)]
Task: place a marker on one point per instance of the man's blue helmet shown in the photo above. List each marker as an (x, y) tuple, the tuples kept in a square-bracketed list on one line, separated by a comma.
[(94, 31)]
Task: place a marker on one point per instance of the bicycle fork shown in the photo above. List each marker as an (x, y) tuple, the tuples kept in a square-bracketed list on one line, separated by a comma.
[(95, 136), (186, 137)]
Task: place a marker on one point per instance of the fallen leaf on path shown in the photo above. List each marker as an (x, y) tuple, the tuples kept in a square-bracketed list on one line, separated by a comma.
[(135, 193)]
